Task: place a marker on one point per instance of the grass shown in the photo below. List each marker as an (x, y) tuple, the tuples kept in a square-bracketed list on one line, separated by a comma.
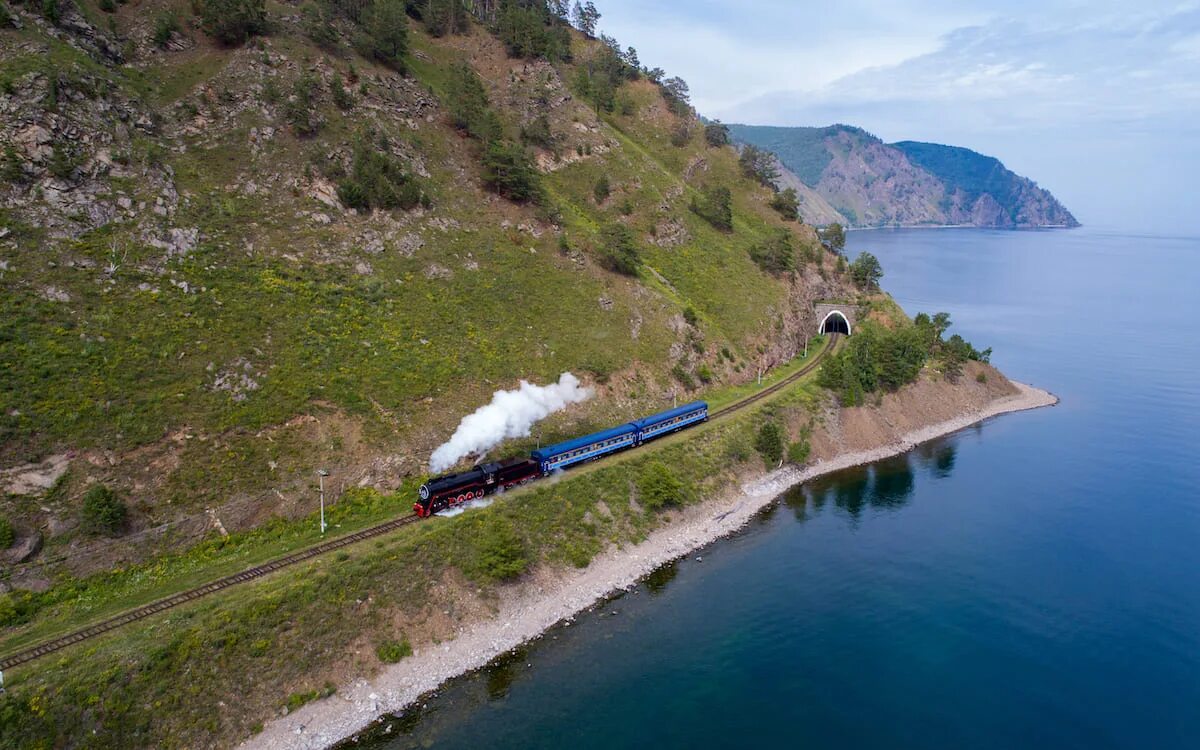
[(274, 303), (75, 603), (272, 640)]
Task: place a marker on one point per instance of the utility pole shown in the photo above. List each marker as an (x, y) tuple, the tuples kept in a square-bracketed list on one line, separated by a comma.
[(806, 346), (322, 474)]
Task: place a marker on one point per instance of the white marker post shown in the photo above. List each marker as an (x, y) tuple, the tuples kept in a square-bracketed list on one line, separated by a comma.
[(322, 474)]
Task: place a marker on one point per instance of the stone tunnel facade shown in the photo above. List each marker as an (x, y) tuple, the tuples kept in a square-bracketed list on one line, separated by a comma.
[(831, 316)]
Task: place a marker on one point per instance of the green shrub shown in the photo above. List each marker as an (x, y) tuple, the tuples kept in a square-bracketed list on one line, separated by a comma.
[(103, 512), (165, 24), (775, 255), (12, 166), (387, 31), (467, 103), (270, 92), (297, 700), (877, 358), (342, 98), (9, 615), (758, 164), (8, 534), (618, 252), (683, 376), (798, 451), (787, 204), (690, 316), (866, 271), (108, 6), (52, 11), (301, 106), (502, 554), (390, 652), (715, 205), (704, 374), (602, 189), (508, 170), (531, 30), (681, 135), (658, 487), (317, 24), (716, 133), (63, 162), (233, 21), (378, 180), (537, 132), (769, 443), (981, 377), (444, 17)]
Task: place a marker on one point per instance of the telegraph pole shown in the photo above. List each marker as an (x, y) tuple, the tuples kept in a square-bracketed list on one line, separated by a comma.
[(322, 474)]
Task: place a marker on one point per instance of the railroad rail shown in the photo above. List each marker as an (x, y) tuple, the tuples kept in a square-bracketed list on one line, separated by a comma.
[(258, 571)]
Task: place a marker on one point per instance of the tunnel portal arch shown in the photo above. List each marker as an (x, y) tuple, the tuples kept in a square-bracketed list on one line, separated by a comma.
[(835, 321)]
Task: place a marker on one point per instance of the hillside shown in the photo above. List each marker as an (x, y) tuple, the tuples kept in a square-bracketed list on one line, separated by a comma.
[(871, 183), (228, 265), (242, 242)]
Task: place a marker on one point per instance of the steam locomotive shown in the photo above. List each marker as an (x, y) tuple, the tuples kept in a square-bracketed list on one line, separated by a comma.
[(451, 490)]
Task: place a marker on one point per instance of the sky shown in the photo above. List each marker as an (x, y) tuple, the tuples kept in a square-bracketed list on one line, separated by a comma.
[(1097, 101)]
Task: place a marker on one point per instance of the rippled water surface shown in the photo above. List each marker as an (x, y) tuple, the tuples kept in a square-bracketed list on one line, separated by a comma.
[(1032, 582)]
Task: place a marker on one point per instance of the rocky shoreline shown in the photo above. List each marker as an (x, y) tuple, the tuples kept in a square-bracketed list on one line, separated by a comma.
[(551, 597)]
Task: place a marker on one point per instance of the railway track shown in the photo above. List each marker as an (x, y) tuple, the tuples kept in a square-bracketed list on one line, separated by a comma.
[(789, 380), (258, 571)]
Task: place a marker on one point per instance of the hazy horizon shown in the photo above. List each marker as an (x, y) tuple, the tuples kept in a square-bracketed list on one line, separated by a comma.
[(1095, 102)]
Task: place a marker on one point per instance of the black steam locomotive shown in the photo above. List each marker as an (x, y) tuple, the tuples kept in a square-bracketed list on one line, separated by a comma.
[(454, 489)]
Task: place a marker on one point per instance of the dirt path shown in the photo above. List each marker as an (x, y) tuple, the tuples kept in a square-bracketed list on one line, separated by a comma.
[(535, 605)]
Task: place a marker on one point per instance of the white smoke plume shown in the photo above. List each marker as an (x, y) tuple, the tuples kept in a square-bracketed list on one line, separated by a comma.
[(510, 414)]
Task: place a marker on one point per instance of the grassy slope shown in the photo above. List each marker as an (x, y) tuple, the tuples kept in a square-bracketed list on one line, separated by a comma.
[(74, 604), (131, 359), (304, 628), (398, 350)]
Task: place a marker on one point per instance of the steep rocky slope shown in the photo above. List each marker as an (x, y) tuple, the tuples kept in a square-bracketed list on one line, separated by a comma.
[(192, 316), (871, 183)]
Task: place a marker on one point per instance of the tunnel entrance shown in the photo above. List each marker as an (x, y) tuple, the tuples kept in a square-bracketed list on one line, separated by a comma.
[(835, 322)]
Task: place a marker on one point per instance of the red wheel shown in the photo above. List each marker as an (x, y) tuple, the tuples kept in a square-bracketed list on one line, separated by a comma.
[(461, 498)]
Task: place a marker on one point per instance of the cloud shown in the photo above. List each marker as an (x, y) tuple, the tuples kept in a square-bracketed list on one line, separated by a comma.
[(730, 52), (1007, 73), (1096, 99)]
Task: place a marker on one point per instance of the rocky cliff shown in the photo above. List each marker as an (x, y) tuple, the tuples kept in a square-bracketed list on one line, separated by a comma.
[(869, 183)]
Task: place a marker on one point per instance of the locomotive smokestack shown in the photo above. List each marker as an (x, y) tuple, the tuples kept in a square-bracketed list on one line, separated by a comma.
[(510, 414)]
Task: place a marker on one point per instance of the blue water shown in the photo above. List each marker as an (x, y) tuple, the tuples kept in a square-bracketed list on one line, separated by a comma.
[(1032, 582)]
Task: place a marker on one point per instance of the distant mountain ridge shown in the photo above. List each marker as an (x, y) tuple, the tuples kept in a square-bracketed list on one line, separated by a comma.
[(870, 183)]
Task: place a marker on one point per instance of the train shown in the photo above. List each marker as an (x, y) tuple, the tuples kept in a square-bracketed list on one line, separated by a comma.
[(450, 490)]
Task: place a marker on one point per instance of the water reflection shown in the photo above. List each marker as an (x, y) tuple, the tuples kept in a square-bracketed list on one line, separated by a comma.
[(797, 499), (939, 455), (894, 483), (885, 485), (656, 582), (503, 671)]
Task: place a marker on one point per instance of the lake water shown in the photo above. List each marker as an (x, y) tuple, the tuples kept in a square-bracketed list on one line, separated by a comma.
[(1031, 582)]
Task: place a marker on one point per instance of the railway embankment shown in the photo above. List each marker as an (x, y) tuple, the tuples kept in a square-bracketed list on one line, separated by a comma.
[(840, 438)]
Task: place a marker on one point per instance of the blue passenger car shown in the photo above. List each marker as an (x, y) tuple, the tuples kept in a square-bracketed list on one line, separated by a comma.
[(571, 452), (657, 425)]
